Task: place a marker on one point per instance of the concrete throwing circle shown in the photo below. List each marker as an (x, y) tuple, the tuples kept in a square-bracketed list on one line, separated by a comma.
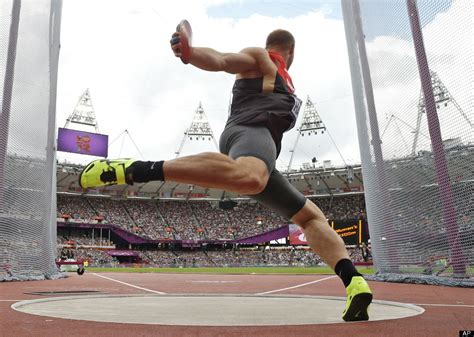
[(208, 310)]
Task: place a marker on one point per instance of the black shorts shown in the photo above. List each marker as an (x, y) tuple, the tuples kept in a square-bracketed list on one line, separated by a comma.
[(256, 141)]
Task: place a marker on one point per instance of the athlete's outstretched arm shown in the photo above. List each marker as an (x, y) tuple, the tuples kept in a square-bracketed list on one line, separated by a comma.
[(212, 60), (249, 59)]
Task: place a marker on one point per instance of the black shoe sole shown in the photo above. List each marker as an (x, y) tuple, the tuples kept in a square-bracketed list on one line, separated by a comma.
[(358, 309)]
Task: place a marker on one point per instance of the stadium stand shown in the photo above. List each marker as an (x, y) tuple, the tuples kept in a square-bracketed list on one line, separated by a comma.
[(283, 256), (194, 220)]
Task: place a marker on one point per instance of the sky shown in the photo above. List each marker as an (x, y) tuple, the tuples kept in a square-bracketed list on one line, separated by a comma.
[(449, 45), (137, 84), (120, 51)]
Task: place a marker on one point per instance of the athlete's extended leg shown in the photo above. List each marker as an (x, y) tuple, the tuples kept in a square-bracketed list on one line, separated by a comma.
[(330, 247), (245, 175)]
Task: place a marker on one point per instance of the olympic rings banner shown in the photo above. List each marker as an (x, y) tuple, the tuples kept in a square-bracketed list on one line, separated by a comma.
[(82, 142)]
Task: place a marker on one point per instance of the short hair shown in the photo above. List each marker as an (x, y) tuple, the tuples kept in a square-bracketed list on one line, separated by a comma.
[(280, 38)]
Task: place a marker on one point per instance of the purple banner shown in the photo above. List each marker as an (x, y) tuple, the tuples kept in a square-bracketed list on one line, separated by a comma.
[(279, 233), (82, 142), (123, 234)]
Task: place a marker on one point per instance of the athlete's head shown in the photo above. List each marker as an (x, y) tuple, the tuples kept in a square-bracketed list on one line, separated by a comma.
[(282, 41)]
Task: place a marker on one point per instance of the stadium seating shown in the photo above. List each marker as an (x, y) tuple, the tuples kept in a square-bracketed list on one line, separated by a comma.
[(193, 220)]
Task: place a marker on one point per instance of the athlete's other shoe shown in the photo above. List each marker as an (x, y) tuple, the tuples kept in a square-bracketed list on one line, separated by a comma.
[(359, 298), (105, 172)]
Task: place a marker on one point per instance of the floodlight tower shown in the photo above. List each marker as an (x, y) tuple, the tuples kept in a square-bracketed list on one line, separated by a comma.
[(83, 112), (442, 97), (199, 129), (311, 123)]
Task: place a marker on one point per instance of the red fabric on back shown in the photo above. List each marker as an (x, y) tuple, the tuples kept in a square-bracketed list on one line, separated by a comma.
[(282, 71)]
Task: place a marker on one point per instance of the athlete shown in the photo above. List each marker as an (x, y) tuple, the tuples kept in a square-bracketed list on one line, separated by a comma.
[(264, 106)]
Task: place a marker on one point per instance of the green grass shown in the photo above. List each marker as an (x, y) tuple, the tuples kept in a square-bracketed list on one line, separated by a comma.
[(227, 270)]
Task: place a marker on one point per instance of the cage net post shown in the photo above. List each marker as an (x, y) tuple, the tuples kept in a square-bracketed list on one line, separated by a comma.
[(29, 48), (420, 204), (439, 157), (360, 71)]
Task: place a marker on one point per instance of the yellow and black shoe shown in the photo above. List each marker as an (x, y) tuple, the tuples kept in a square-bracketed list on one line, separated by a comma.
[(105, 172), (359, 298)]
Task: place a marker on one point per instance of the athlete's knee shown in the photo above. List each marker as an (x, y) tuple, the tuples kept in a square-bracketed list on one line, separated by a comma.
[(254, 184), (308, 215), (250, 182), (251, 175)]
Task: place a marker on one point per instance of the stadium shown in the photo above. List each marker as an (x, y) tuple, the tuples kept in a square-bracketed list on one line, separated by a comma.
[(163, 258)]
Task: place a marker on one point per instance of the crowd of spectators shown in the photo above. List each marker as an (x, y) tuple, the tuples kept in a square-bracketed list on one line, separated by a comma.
[(256, 256), (213, 222), (74, 208), (145, 215), (115, 212), (78, 238), (251, 219), (193, 220), (230, 257), (342, 207), (179, 216), (202, 258)]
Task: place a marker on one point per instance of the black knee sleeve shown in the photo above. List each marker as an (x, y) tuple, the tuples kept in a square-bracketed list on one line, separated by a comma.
[(280, 196)]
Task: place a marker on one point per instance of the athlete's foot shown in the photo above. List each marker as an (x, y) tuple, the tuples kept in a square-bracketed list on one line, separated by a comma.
[(104, 172), (359, 298)]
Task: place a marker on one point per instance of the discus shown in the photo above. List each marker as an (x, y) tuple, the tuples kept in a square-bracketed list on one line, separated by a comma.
[(186, 39)]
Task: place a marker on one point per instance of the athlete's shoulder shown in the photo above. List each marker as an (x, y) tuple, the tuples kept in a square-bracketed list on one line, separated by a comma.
[(254, 50), (264, 62)]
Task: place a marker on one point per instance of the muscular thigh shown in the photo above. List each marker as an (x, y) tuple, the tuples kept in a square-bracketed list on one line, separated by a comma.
[(249, 141), (254, 141)]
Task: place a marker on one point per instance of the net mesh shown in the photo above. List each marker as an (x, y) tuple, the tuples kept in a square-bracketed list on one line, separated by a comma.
[(28, 64), (420, 211)]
